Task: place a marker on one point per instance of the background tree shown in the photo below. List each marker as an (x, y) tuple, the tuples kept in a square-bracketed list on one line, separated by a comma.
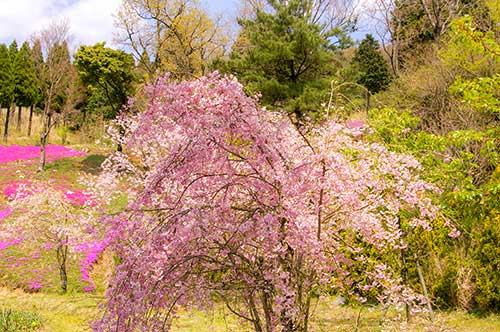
[(408, 27), (387, 25), (52, 76), (373, 70), (288, 54), (8, 86), (107, 72), (16, 69), (177, 36), (29, 92), (37, 61)]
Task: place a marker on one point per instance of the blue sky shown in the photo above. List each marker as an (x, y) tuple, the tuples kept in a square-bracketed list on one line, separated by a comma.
[(91, 21)]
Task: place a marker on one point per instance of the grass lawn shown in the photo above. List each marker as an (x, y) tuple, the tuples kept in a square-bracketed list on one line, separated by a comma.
[(72, 312)]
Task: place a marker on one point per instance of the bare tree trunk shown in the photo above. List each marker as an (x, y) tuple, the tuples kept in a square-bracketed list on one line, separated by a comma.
[(255, 314), (18, 125), (30, 120), (44, 137), (6, 127), (424, 287), (62, 254), (404, 273), (368, 95)]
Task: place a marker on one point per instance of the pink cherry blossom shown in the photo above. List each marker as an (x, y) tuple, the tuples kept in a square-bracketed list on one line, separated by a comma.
[(232, 202), (46, 217)]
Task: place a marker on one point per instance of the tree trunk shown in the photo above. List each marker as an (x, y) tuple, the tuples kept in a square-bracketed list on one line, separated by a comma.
[(44, 137), (368, 95), (6, 128), (30, 120), (62, 254), (424, 288), (404, 273), (18, 126), (119, 146)]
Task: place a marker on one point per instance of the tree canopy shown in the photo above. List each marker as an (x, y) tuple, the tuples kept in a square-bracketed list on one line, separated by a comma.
[(175, 36), (372, 69), (286, 55), (107, 72)]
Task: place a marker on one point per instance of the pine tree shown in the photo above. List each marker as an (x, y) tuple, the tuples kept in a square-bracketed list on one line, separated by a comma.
[(8, 83), (28, 91), (15, 70), (286, 56), (373, 70), (6, 87)]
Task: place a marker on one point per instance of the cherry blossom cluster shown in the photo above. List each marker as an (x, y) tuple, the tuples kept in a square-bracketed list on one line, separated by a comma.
[(233, 203), (44, 218)]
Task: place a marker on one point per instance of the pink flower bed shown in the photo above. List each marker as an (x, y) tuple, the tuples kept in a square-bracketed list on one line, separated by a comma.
[(4, 213), (80, 197), (17, 187), (17, 152)]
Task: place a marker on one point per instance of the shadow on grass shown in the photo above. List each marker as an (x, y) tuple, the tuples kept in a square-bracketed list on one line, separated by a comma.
[(68, 167), (64, 165), (92, 164)]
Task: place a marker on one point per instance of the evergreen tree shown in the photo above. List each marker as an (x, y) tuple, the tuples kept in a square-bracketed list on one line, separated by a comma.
[(6, 86), (287, 56), (8, 62), (28, 91), (373, 70), (15, 68)]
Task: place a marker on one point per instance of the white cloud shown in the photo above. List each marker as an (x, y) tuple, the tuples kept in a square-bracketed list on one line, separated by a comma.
[(90, 21)]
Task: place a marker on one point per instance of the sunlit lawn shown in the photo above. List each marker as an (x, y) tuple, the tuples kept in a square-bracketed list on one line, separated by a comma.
[(72, 313)]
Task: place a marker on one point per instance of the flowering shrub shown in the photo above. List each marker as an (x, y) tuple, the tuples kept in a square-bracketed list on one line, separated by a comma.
[(232, 202), (53, 223)]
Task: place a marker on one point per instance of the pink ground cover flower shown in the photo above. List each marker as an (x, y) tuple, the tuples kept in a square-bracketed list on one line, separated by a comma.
[(4, 213), (17, 152), (9, 243), (16, 187), (92, 251), (80, 197)]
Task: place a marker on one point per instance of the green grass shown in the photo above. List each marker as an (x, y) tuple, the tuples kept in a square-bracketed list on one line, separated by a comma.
[(59, 313), (92, 163), (72, 312), (15, 321)]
